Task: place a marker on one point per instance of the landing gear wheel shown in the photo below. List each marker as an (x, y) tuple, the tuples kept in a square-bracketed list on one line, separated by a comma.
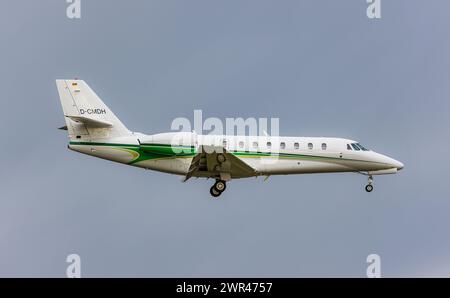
[(214, 192), (221, 158), (369, 187), (220, 185)]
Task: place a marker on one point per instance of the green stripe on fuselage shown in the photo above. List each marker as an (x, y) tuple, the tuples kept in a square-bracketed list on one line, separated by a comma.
[(158, 151), (147, 151)]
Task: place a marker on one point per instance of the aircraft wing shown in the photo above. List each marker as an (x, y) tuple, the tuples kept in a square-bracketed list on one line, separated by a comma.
[(227, 165)]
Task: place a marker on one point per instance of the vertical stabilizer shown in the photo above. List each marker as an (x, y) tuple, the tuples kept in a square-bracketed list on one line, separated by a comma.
[(87, 117)]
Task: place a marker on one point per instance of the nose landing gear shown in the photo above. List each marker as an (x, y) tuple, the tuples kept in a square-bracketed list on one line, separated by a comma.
[(218, 187), (369, 186)]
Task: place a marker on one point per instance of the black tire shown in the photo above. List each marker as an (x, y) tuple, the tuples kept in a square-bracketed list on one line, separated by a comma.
[(369, 187), (220, 185), (214, 192)]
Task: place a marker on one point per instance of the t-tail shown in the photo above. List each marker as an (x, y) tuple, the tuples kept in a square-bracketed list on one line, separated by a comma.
[(86, 115)]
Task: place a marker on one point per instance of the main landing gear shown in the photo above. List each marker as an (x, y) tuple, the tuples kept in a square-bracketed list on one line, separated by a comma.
[(218, 187), (369, 186)]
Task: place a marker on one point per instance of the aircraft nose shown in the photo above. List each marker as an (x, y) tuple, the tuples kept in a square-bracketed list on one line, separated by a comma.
[(396, 164), (399, 165), (393, 163)]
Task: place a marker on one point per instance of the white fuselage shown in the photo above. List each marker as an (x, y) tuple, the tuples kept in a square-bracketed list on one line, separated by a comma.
[(267, 155)]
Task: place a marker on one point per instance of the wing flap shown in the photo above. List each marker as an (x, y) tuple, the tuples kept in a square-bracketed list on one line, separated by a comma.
[(228, 165)]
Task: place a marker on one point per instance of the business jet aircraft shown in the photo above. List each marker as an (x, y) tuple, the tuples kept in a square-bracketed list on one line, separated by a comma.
[(94, 130)]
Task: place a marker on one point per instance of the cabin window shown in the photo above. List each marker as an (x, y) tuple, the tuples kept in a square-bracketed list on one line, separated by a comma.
[(349, 147), (282, 145), (310, 146), (241, 144), (355, 147), (296, 145), (269, 145), (324, 146), (255, 145)]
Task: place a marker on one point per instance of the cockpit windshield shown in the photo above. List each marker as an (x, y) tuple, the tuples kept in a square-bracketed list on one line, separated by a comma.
[(361, 146), (356, 147)]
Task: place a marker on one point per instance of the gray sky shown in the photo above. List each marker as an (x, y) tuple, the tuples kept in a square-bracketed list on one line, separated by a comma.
[(322, 67)]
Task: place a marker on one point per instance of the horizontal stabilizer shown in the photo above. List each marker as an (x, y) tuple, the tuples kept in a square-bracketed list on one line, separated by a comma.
[(96, 123)]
